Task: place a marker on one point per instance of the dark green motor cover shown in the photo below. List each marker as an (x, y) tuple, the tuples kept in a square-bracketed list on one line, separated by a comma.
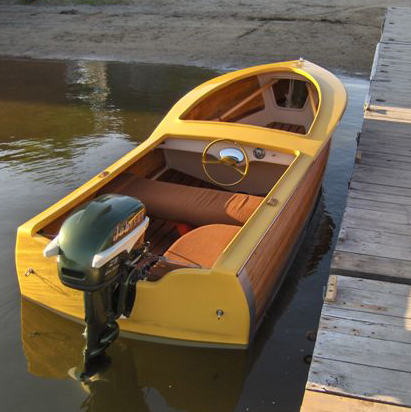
[(93, 228)]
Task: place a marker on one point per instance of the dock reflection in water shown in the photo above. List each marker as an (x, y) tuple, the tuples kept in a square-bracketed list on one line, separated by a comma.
[(62, 123)]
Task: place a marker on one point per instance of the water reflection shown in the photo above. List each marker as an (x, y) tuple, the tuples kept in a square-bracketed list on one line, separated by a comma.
[(73, 117), (62, 123), (142, 375)]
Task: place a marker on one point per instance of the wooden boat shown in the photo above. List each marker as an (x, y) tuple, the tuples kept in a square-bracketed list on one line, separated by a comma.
[(229, 180)]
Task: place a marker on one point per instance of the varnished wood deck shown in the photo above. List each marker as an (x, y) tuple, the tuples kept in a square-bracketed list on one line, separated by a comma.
[(362, 356), (294, 128)]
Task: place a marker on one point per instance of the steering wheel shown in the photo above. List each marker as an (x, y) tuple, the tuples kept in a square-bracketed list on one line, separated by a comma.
[(230, 157)]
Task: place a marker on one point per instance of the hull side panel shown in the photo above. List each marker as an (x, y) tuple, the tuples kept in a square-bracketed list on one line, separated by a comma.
[(267, 263)]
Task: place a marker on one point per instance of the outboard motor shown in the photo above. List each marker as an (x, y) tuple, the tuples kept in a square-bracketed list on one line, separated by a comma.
[(98, 248)]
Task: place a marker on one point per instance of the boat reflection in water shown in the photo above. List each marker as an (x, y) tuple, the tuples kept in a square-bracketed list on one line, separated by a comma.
[(141, 375), (148, 376)]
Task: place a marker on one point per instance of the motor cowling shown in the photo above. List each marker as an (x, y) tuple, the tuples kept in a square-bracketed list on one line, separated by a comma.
[(94, 248)]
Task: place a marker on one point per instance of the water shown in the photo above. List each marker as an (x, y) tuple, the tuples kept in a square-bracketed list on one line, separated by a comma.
[(60, 124)]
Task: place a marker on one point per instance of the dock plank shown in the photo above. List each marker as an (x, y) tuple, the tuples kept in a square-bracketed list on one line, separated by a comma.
[(363, 347), (387, 160), (352, 379), (365, 329), (377, 303), (375, 318), (324, 402), (371, 267), (390, 222), (387, 206), (371, 286), (382, 175), (378, 197), (380, 189), (397, 26)]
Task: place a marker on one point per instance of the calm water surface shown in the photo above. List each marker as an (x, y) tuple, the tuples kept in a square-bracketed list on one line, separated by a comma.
[(60, 124)]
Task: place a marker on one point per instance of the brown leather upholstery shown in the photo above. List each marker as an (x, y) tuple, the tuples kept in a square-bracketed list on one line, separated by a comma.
[(202, 246), (193, 205)]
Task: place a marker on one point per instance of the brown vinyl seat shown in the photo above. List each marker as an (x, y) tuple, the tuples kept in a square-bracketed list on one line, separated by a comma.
[(193, 205), (200, 247)]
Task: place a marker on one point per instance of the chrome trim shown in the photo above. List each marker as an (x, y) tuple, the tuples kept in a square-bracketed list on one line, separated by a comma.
[(236, 155), (127, 243), (52, 249)]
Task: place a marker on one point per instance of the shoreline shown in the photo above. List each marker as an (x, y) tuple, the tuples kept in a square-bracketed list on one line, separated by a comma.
[(235, 34)]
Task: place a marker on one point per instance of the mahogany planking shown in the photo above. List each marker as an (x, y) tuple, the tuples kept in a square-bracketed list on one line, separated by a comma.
[(266, 264)]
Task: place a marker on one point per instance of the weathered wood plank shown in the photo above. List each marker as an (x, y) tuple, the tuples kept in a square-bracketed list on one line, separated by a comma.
[(364, 351), (371, 267), (385, 135), (375, 243), (382, 220), (366, 329), (382, 175), (390, 115), (376, 318), (374, 286), (361, 381), (400, 177), (382, 126), (360, 220), (379, 197), (383, 147), (400, 140), (363, 343), (387, 206), (323, 402), (375, 302), (387, 160), (380, 189)]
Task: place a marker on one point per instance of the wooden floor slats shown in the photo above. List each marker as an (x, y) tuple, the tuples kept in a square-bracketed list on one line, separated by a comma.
[(362, 356), (288, 127)]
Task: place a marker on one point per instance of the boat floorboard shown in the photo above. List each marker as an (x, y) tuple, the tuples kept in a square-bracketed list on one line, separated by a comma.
[(288, 127)]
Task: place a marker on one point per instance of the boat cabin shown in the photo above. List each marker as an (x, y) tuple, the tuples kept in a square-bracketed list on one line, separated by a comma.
[(284, 101)]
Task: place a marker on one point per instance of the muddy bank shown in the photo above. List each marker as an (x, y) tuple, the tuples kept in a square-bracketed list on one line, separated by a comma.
[(229, 34)]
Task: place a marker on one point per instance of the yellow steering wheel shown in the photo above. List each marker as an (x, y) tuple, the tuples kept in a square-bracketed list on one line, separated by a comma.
[(230, 156)]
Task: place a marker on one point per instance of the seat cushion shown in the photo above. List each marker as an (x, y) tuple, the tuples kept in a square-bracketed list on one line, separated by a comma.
[(202, 246), (194, 205)]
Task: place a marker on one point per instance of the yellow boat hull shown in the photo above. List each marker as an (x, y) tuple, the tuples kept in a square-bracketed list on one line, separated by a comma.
[(186, 305)]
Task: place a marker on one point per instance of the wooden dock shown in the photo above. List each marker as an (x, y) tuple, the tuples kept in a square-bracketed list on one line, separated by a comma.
[(362, 356)]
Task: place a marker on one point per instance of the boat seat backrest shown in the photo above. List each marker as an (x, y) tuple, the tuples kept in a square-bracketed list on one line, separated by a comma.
[(192, 205)]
